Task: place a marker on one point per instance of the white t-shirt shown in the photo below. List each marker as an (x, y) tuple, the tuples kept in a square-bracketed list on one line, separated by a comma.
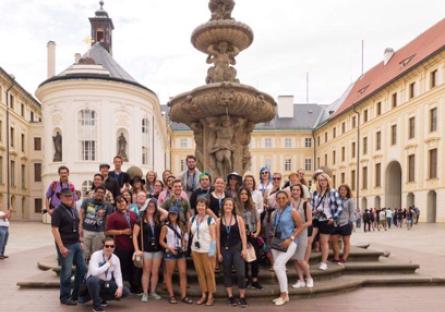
[(3, 222), (203, 235)]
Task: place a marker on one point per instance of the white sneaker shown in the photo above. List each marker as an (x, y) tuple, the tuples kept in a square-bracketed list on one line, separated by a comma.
[(155, 296), (323, 266), (310, 283), (144, 297), (299, 284), (281, 301)]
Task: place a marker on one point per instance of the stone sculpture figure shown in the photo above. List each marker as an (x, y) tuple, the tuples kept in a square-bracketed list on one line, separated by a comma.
[(222, 149), (221, 9), (221, 56), (198, 134), (122, 147), (57, 140)]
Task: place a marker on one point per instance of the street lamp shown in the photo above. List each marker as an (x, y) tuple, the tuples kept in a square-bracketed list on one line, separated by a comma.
[(8, 165)]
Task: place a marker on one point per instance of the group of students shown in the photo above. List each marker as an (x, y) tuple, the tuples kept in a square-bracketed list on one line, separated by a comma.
[(232, 222)]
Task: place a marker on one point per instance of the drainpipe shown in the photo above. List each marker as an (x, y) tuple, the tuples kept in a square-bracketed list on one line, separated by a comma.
[(357, 182), (8, 162)]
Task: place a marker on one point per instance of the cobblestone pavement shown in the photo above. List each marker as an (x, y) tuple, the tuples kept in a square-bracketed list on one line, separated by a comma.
[(423, 245)]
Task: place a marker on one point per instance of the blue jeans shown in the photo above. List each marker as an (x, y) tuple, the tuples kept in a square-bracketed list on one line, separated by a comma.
[(74, 257), (100, 290), (4, 234)]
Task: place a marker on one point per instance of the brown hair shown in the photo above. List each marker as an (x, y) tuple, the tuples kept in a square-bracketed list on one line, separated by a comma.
[(253, 179), (348, 190)]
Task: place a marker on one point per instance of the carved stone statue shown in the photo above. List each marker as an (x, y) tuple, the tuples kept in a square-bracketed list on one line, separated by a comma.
[(122, 147), (221, 56), (221, 9), (57, 140)]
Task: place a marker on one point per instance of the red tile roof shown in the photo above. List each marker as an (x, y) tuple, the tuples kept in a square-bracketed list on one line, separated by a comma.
[(403, 60)]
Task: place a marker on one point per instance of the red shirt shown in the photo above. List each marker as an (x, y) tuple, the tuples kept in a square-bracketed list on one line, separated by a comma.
[(119, 221)]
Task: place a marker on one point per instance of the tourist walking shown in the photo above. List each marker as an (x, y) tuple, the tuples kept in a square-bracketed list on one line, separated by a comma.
[(65, 230), (389, 217), (174, 242), (232, 250), (287, 227), (345, 223), (203, 229), (5, 217)]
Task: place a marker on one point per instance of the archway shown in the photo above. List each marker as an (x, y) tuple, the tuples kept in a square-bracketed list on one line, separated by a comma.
[(431, 207), (364, 203), (410, 200), (377, 202), (393, 185)]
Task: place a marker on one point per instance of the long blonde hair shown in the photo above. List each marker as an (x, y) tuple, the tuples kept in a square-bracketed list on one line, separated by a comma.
[(328, 179)]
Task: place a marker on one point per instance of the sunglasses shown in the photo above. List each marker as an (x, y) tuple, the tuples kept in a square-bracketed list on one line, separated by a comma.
[(276, 178), (109, 246), (265, 172)]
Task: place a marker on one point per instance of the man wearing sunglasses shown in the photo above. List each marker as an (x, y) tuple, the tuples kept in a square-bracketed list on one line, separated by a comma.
[(104, 277)]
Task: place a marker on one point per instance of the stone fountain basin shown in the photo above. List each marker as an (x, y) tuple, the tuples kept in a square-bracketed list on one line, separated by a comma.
[(218, 99), (213, 32)]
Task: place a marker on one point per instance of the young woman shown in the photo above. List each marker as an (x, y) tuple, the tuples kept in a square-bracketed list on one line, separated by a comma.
[(270, 206), (300, 204), (151, 223), (265, 180), (234, 181), (165, 175), (231, 245), (327, 206), (150, 180), (128, 195), (216, 198), (137, 184), (203, 228), (287, 227), (174, 244), (157, 189), (252, 221), (257, 196), (344, 224)]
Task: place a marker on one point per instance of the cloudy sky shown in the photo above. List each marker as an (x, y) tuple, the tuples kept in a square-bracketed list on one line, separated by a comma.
[(152, 40)]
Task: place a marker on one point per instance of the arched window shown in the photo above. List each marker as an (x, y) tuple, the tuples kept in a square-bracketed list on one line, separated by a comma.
[(145, 140), (87, 131), (86, 186)]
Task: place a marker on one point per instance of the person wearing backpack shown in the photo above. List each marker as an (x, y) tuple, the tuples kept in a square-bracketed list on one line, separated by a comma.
[(54, 189)]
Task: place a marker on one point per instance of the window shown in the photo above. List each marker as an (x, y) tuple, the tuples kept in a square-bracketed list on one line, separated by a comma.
[(308, 164), (88, 150), (365, 116), (182, 164), (145, 125), (318, 140), (411, 167), (353, 150), (364, 178), (334, 180), (11, 137), (37, 205), (433, 119), (325, 137), (23, 176), (378, 175), (31, 116), (412, 89), (379, 108), (183, 143), (433, 164), (144, 155), (352, 180), (86, 186), (412, 128), (37, 172), (23, 142), (433, 78), (308, 142), (342, 177), (87, 117), (1, 169), (365, 145), (318, 162), (267, 142), (325, 160), (393, 134), (22, 110), (12, 173), (394, 100), (334, 132), (288, 164), (343, 153), (37, 144), (354, 121), (343, 127), (287, 142), (11, 101), (333, 157), (378, 140)]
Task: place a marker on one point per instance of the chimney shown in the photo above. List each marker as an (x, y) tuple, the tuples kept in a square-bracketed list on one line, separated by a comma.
[(285, 105), (77, 57), (51, 46), (389, 52)]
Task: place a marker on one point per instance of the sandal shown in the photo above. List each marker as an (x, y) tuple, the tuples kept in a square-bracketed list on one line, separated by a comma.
[(172, 300), (210, 301), (187, 300), (202, 300)]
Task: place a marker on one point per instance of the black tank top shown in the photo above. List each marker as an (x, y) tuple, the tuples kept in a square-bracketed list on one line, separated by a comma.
[(151, 239), (230, 235)]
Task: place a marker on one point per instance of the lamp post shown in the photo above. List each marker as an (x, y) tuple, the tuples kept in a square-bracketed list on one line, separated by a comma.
[(8, 165)]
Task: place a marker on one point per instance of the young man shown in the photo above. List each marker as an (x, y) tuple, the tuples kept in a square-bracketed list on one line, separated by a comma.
[(93, 215), (175, 200), (65, 229), (5, 216), (190, 177), (203, 191), (110, 184), (104, 278), (54, 189), (117, 174)]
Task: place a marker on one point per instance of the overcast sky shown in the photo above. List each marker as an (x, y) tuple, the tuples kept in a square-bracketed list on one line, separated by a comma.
[(151, 40)]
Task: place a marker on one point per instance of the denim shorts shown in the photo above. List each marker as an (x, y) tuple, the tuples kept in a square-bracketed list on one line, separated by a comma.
[(154, 255), (169, 256)]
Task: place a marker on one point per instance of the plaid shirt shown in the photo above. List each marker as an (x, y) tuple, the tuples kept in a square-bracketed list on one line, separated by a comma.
[(335, 205)]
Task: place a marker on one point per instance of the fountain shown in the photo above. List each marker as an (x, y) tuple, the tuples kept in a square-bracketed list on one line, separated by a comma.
[(223, 113)]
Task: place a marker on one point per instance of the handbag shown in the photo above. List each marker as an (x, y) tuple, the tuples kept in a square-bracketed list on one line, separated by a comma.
[(250, 255), (276, 239), (138, 260)]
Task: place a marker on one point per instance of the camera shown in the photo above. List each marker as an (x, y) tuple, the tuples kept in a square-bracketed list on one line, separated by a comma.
[(197, 245), (277, 235), (152, 242)]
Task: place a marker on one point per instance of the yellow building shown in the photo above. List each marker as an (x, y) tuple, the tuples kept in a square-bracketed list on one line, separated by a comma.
[(386, 136), (25, 150)]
